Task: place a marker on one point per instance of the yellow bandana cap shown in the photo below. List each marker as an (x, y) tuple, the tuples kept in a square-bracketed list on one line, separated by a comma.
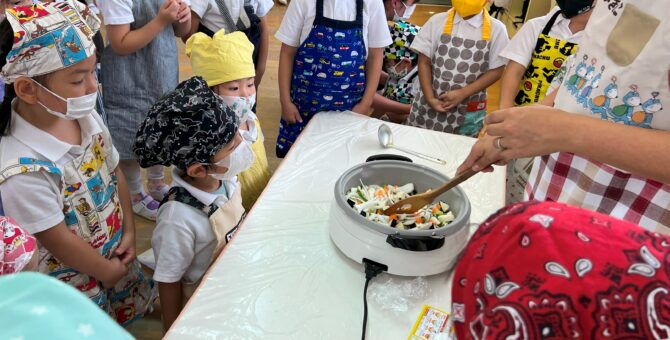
[(222, 58)]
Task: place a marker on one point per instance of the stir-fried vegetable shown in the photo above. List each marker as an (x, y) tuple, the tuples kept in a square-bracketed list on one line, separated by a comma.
[(371, 200)]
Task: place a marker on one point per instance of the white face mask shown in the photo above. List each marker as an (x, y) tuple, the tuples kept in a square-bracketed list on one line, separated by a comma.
[(395, 74), (77, 107), (239, 160), (406, 15), (241, 105)]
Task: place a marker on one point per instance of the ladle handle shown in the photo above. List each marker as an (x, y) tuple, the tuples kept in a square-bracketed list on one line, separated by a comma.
[(420, 155)]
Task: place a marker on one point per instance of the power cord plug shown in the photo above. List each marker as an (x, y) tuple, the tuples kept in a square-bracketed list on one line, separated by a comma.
[(372, 269)]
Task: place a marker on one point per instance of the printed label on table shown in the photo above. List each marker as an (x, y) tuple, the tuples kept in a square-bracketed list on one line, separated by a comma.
[(432, 324)]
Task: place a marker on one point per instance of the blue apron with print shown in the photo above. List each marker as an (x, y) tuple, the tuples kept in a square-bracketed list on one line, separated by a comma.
[(328, 72)]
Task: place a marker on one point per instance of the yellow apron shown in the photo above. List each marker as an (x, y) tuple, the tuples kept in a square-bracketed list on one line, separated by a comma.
[(548, 57), (224, 220), (256, 177)]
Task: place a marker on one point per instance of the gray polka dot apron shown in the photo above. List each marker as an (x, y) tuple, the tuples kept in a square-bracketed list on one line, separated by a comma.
[(456, 63)]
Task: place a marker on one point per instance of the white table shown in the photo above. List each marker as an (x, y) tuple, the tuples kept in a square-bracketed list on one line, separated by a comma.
[(283, 278)]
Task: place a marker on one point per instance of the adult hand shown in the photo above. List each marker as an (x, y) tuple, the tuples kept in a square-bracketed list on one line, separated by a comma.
[(518, 132)]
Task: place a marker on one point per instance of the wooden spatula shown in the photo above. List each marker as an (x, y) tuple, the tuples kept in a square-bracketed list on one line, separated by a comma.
[(412, 204)]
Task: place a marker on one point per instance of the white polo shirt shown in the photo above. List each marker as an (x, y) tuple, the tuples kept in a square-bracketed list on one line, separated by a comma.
[(34, 200), (520, 48), (428, 39), (210, 15), (183, 241), (299, 18), (120, 12)]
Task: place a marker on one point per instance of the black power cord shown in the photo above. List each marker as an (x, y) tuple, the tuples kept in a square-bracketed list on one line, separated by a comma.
[(372, 269)]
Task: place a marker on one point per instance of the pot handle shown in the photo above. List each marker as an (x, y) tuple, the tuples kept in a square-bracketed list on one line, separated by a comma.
[(391, 157), (420, 243)]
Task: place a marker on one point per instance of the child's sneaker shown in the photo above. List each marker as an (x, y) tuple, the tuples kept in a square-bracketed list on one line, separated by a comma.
[(147, 208), (158, 192)]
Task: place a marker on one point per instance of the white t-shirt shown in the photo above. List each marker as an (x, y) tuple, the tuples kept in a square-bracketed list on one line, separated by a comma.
[(211, 17), (119, 12), (428, 39), (183, 241), (34, 200), (520, 48), (299, 18)]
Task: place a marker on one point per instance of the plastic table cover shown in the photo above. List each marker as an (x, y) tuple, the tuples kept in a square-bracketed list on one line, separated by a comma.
[(283, 278)]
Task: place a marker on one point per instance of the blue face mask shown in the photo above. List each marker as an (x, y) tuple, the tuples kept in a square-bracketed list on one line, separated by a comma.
[(221, 191)]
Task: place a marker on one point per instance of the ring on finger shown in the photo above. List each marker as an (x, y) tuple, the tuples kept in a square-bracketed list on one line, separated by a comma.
[(498, 145)]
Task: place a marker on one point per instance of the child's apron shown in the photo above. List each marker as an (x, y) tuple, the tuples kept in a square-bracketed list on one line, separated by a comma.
[(93, 212), (629, 47), (548, 57), (254, 179), (224, 220), (457, 62), (402, 90), (328, 72)]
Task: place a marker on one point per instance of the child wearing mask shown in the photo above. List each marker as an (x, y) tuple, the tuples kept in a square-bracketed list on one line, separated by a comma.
[(535, 54), (214, 60), (458, 60), (59, 175), (401, 83), (194, 130)]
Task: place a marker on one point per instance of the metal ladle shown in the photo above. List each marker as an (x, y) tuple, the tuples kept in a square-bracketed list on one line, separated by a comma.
[(386, 141)]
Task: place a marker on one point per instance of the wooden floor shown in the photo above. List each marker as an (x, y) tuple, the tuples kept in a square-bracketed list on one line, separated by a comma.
[(269, 112)]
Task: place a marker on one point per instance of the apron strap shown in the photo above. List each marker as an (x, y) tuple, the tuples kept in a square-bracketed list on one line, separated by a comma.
[(486, 25), (182, 195), (319, 19), (242, 20), (550, 23)]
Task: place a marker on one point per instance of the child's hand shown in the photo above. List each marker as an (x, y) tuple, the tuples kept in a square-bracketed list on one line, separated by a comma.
[(437, 104), (451, 99), (126, 249), (116, 271), (289, 112), (362, 108), (184, 13), (168, 12)]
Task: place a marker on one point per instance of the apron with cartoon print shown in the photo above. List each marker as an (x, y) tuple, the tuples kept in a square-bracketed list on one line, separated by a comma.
[(224, 220), (328, 72), (93, 212), (457, 62), (620, 73), (548, 57)]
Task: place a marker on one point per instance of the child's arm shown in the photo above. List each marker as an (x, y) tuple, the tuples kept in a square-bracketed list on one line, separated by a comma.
[(509, 85), (452, 98), (426, 81), (170, 295), (126, 249), (195, 24), (76, 253), (385, 105), (125, 41), (373, 70), (182, 27), (262, 50), (289, 111)]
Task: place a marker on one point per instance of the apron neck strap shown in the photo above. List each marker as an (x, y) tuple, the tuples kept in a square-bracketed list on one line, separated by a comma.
[(486, 25), (359, 12), (550, 23), (182, 195)]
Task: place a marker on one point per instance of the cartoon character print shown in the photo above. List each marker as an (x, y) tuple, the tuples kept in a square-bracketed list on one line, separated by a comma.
[(577, 77), (649, 108), (631, 100), (600, 105), (593, 83)]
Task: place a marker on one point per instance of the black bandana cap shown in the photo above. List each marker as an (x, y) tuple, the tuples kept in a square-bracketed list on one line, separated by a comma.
[(186, 126)]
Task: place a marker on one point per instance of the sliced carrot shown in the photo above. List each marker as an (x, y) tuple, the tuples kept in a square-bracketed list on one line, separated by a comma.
[(393, 217)]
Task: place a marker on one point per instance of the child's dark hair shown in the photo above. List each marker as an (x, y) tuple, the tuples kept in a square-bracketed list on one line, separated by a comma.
[(6, 42)]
